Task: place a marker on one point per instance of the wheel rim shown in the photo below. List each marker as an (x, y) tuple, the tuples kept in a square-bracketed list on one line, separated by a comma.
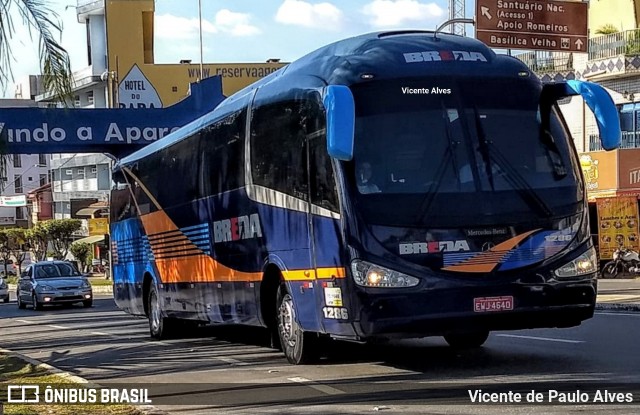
[(287, 321), (154, 314)]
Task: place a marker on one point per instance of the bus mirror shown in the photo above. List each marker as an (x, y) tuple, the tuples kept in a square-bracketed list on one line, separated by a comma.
[(340, 109), (605, 111)]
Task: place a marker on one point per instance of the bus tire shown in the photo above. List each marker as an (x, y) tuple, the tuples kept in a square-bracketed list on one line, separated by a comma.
[(298, 347), (159, 327), (468, 340)]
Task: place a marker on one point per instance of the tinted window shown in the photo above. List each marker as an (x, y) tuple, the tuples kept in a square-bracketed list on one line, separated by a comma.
[(454, 150), (321, 179), (55, 270), (221, 155), (278, 150), (122, 206)]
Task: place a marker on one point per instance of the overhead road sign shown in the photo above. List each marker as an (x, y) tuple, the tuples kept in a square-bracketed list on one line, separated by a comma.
[(545, 24)]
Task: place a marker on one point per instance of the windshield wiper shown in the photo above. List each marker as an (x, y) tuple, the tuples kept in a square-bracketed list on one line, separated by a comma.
[(512, 175), (484, 149), (450, 156)]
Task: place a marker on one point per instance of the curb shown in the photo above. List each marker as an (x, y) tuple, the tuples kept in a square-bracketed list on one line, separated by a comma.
[(145, 409), (617, 307)]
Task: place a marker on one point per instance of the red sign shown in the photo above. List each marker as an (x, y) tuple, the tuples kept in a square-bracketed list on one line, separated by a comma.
[(546, 25)]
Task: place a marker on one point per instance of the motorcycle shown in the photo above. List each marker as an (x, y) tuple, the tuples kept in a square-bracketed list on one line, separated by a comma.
[(625, 261)]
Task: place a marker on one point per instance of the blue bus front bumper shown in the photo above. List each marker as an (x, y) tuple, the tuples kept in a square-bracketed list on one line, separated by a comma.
[(440, 311)]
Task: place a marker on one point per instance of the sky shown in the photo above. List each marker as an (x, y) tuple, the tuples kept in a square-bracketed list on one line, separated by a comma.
[(237, 31)]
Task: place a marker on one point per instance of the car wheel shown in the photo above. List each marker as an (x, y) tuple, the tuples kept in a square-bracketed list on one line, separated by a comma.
[(6, 299), (87, 303), (299, 347), (35, 302), (21, 305)]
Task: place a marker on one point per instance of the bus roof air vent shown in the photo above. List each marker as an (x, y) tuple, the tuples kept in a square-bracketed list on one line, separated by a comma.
[(404, 32)]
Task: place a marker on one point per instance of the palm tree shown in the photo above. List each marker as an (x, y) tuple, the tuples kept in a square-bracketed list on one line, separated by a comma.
[(54, 59), (606, 29)]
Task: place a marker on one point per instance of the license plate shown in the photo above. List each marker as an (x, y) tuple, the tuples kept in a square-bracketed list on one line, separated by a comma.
[(483, 304)]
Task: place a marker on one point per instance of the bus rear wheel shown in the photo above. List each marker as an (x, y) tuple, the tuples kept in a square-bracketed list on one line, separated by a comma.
[(469, 340), (298, 347), (159, 327)]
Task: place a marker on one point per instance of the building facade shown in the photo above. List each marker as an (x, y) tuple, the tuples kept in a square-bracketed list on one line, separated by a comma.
[(613, 61)]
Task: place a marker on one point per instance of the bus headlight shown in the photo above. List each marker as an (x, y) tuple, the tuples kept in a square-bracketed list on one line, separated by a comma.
[(586, 263), (367, 274)]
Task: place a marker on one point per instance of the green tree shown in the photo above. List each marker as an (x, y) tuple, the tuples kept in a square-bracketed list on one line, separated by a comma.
[(40, 20), (82, 252), (60, 233), (37, 240), (607, 29), (5, 250), (17, 239)]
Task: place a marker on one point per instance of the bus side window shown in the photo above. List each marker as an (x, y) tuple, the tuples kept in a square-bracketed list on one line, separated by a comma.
[(278, 151), (121, 201), (321, 179), (222, 155)]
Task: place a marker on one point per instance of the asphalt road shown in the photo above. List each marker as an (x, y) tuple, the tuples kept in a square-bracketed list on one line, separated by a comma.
[(230, 371)]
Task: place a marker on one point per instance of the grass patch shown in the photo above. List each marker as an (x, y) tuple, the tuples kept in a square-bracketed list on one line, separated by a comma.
[(11, 279), (16, 371)]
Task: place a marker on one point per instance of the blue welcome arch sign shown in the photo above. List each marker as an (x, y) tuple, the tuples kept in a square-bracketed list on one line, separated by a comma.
[(117, 132)]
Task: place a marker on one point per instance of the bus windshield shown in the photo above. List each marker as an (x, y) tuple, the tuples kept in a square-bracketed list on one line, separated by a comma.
[(456, 150)]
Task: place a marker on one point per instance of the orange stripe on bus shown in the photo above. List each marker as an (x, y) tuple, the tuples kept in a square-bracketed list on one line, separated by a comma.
[(308, 274), (201, 268), (331, 272)]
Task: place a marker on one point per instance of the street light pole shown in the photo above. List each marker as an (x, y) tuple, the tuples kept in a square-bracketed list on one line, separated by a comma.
[(200, 20)]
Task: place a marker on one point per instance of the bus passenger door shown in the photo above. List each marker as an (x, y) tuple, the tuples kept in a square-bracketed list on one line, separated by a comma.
[(324, 230)]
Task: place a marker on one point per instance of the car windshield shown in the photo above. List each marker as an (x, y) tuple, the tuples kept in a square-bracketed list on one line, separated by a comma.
[(55, 271), (455, 149)]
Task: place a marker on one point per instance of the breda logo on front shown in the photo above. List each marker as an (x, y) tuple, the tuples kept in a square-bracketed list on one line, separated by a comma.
[(444, 55), (433, 247)]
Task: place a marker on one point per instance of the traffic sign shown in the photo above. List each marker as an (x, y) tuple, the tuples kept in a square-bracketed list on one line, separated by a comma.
[(545, 24)]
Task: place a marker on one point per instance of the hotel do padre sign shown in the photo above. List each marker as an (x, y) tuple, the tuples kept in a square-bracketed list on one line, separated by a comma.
[(535, 24)]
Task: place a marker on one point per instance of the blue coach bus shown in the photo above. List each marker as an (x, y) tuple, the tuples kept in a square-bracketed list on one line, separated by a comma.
[(396, 184)]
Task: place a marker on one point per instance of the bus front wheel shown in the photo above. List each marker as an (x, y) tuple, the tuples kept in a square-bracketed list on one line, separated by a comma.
[(469, 340), (298, 347)]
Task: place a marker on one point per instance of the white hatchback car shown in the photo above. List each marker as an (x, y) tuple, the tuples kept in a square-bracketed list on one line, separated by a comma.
[(11, 267)]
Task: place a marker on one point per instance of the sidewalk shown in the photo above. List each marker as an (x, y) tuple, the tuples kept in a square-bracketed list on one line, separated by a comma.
[(619, 294)]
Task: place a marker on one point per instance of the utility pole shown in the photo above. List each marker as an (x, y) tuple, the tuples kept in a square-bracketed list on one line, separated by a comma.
[(457, 11)]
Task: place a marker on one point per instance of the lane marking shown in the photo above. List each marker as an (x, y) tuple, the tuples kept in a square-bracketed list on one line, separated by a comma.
[(329, 390), (58, 327), (24, 321), (99, 333), (540, 338), (231, 361)]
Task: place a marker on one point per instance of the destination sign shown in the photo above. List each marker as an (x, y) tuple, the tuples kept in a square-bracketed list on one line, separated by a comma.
[(545, 24)]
